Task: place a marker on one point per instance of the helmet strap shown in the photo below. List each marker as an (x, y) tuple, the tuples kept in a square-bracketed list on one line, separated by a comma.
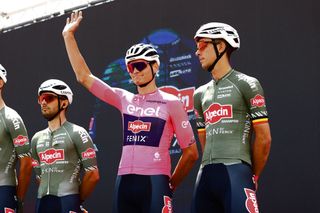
[(219, 56), (153, 75)]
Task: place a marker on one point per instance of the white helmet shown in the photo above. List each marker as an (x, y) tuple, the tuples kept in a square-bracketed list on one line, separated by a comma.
[(142, 51), (216, 30), (3, 73), (56, 86)]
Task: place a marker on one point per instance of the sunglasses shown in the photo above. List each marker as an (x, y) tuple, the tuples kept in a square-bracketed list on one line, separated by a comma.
[(47, 97), (201, 45), (140, 65)]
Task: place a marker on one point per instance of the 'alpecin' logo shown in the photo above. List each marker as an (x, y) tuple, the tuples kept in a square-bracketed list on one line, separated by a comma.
[(257, 101), (251, 202), (217, 112), (20, 140), (50, 156), (138, 126), (89, 153), (167, 208)]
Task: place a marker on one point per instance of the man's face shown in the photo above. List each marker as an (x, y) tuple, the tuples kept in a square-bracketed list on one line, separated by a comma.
[(140, 71), (205, 52), (49, 104)]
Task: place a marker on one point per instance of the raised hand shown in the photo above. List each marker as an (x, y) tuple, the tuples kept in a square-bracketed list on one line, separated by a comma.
[(72, 23)]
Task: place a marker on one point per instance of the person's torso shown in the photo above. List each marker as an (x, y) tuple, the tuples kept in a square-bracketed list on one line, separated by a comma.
[(228, 116), (14, 142)]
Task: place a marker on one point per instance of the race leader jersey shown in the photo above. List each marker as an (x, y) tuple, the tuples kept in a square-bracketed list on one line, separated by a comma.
[(149, 123), (14, 142), (226, 110), (58, 156)]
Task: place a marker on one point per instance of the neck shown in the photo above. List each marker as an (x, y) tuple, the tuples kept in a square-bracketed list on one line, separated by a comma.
[(220, 70), (148, 89), (2, 103), (57, 122)]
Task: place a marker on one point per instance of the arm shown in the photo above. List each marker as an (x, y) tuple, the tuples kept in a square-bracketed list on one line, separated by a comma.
[(89, 181), (260, 147), (202, 138), (24, 176), (80, 68), (187, 160)]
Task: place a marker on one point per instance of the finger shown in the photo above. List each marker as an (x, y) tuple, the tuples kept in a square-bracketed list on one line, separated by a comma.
[(72, 17), (68, 20)]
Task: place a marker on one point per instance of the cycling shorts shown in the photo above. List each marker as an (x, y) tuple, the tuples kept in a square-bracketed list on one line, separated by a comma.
[(54, 204), (8, 202), (142, 194), (224, 188)]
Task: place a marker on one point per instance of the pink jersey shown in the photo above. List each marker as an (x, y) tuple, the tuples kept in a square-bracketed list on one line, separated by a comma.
[(149, 123)]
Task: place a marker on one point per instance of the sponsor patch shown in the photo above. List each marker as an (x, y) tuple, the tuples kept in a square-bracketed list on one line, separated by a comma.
[(257, 101), (50, 156), (35, 163), (251, 202), (88, 154), (138, 126), (8, 210), (20, 140), (167, 208), (217, 112)]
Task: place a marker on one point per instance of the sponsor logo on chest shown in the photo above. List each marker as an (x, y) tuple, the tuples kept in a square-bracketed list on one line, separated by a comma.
[(50, 156), (217, 112), (149, 111), (138, 126)]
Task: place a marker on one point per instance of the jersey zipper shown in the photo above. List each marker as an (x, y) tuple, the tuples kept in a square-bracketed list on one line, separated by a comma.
[(49, 172)]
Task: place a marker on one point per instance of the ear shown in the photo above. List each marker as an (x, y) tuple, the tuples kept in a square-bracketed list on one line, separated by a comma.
[(155, 67), (221, 46)]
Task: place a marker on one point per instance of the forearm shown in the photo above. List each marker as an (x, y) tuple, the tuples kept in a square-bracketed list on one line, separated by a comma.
[(202, 138), (77, 61), (24, 177), (89, 181), (185, 164), (260, 154)]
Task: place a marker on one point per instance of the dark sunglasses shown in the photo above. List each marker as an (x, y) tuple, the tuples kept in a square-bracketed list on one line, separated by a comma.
[(47, 97), (140, 65)]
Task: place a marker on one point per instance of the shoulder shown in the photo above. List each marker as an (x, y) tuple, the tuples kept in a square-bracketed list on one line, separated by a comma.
[(77, 132), (10, 113), (39, 134), (203, 87), (244, 81)]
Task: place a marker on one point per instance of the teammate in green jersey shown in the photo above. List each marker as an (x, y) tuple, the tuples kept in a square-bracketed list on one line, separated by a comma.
[(229, 109), (59, 152), (14, 144)]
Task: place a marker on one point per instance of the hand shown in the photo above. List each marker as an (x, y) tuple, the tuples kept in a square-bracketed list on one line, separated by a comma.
[(255, 179), (19, 206), (72, 23), (83, 209)]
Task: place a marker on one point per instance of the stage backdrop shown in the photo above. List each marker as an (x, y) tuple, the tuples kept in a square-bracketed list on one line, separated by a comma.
[(279, 46)]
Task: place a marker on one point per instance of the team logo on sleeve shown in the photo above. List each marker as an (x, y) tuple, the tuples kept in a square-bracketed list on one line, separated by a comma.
[(251, 202), (167, 208), (89, 153), (50, 156), (20, 140), (257, 101), (138, 126), (217, 112)]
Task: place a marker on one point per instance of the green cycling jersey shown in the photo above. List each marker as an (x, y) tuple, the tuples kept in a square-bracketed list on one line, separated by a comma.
[(58, 157), (226, 110), (14, 143)]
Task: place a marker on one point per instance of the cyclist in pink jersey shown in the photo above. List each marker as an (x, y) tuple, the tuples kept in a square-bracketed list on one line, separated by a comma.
[(150, 119)]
